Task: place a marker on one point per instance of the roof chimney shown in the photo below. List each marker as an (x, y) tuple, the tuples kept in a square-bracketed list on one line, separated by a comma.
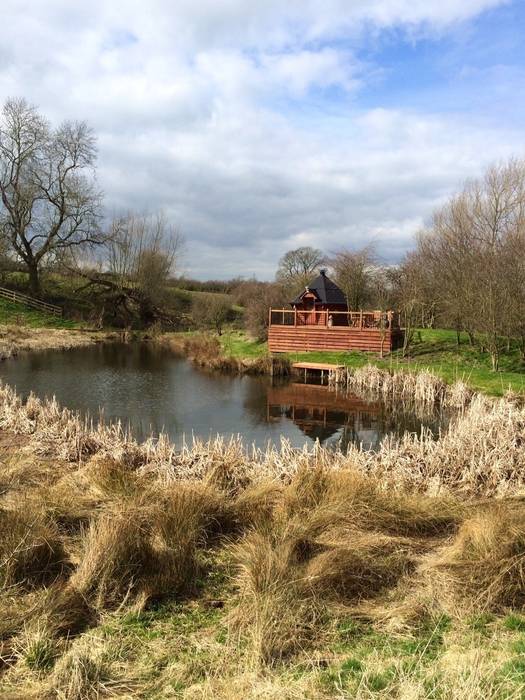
[(323, 271)]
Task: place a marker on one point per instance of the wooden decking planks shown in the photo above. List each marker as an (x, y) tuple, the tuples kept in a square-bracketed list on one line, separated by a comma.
[(325, 366), (301, 339)]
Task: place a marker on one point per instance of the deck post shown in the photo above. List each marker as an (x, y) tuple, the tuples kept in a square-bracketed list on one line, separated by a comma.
[(361, 320), (295, 316)]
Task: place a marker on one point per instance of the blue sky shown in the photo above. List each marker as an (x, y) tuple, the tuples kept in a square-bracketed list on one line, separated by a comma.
[(258, 127)]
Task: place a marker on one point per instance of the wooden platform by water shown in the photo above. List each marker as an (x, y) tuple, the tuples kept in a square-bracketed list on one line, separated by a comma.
[(326, 366), (330, 369)]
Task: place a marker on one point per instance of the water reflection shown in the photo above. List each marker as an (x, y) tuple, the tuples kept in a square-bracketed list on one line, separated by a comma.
[(324, 414), (152, 390)]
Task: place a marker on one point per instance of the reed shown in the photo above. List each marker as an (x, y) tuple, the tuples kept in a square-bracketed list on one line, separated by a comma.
[(480, 454), (421, 388)]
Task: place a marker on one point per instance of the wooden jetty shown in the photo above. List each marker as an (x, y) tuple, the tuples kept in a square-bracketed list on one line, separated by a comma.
[(322, 367)]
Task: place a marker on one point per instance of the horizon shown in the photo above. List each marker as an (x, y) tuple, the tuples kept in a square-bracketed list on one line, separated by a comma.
[(258, 129)]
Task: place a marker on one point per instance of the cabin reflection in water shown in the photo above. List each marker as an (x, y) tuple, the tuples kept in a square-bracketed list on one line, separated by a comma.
[(331, 417)]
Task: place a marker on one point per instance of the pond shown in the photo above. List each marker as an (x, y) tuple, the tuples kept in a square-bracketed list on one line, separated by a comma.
[(151, 390)]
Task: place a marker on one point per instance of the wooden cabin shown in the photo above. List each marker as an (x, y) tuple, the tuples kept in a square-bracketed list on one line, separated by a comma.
[(319, 319)]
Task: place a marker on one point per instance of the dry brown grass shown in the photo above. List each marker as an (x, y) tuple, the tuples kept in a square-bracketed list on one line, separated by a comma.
[(483, 567), (99, 524), (80, 674), (16, 339), (329, 536), (146, 548), (421, 388), (31, 550)]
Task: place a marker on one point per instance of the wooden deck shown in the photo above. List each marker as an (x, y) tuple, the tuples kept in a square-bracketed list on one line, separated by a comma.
[(324, 366), (321, 367), (339, 338)]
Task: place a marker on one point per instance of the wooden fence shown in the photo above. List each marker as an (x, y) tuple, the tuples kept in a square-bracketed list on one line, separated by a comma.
[(19, 298)]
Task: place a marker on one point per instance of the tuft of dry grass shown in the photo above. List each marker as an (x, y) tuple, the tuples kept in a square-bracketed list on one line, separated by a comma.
[(31, 550), (147, 548), (79, 675), (483, 567), (330, 536)]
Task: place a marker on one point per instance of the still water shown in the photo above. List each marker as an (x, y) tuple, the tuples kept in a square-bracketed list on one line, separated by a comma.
[(151, 390)]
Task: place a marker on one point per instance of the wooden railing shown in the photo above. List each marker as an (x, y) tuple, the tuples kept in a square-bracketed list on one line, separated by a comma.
[(19, 298), (358, 320)]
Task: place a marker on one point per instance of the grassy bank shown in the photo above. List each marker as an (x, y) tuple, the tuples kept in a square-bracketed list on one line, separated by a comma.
[(140, 571), (78, 300), (16, 339), (435, 350), (19, 315)]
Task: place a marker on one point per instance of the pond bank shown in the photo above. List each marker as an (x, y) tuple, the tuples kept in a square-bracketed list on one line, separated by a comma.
[(434, 350), (16, 339), (208, 352)]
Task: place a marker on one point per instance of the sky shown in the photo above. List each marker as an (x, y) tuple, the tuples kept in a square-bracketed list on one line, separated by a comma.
[(259, 126)]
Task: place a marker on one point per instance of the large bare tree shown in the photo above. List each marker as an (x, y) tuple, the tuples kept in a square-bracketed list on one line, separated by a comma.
[(139, 257), (50, 202), (296, 268), (354, 272)]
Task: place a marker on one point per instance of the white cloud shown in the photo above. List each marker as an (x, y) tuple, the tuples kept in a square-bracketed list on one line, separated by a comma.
[(217, 113)]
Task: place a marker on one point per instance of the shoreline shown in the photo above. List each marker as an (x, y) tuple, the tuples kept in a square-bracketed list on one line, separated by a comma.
[(235, 352), (17, 339)]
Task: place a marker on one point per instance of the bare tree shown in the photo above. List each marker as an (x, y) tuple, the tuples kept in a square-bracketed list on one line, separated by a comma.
[(257, 298), (407, 293), (473, 253), (296, 268), (139, 256), (354, 270), (383, 298), (49, 199), (211, 311)]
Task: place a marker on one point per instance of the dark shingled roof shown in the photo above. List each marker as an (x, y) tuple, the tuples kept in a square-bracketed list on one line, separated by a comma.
[(325, 290)]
